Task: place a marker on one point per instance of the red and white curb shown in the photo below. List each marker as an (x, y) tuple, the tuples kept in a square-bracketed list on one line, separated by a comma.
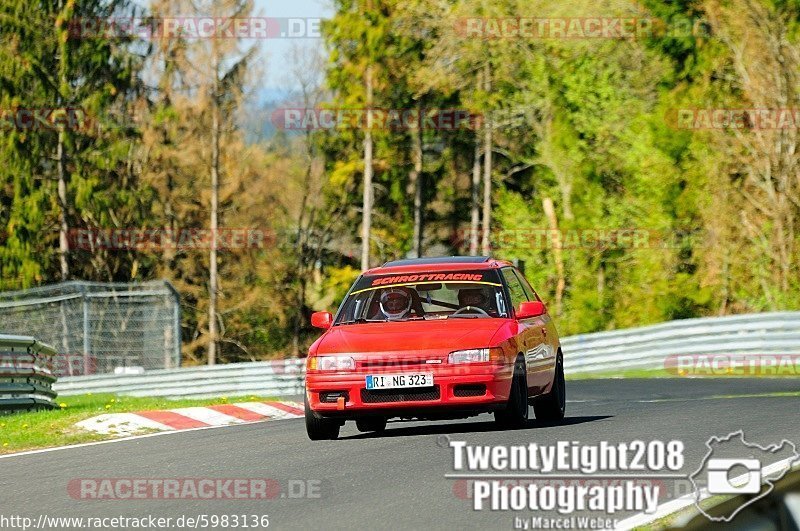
[(124, 424)]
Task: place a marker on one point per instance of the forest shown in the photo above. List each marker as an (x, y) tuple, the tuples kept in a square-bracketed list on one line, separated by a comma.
[(639, 158)]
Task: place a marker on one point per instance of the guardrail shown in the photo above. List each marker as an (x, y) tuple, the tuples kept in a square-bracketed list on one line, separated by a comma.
[(265, 378), (636, 348), (26, 375), (648, 347)]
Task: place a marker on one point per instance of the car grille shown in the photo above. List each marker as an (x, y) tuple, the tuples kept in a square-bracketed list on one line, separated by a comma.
[(405, 362), (469, 390), (372, 396)]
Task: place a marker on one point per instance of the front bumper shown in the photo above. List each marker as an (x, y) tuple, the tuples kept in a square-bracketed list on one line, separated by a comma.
[(462, 389)]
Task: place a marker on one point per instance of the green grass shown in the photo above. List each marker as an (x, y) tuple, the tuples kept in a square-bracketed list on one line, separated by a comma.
[(629, 373), (44, 429)]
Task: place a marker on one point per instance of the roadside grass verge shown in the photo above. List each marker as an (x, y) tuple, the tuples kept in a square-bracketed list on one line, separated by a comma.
[(629, 373), (44, 429)]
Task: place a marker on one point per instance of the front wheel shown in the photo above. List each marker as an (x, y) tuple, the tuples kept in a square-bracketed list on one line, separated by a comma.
[(551, 407), (319, 429), (515, 414), (376, 424)]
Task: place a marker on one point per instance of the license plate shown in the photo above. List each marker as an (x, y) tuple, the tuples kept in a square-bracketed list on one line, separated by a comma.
[(399, 381)]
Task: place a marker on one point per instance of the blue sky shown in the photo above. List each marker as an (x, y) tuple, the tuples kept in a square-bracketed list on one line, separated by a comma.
[(274, 51), (273, 80)]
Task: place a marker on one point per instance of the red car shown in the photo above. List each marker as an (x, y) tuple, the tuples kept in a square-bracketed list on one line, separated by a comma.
[(434, 338)]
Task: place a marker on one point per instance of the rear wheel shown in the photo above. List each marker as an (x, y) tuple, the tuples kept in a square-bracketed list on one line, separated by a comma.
[(515, 414), (376, 424), (319, 429), (551, 407)]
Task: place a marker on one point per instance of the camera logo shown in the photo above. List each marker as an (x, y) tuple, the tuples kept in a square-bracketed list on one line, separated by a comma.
[(721, 476), (734, 467)]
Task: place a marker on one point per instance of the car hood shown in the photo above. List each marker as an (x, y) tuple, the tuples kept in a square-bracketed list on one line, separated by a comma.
[(439, 335)]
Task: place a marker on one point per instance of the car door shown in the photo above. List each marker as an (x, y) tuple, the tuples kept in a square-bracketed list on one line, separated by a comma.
[(531, 339), (548, 328)]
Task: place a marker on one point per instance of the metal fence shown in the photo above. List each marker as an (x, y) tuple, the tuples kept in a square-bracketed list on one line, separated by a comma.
[(643, 348), (26, 374), (98, 327)]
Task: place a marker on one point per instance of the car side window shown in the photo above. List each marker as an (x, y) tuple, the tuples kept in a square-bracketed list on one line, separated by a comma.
[(514, 287), (532, 296)]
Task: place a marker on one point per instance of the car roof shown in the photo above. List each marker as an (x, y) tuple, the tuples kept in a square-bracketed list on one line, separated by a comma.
[(439, 263)]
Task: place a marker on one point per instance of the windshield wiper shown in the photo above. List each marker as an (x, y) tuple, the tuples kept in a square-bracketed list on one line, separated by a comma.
[(365, 320), (361, 320), (354, 321)]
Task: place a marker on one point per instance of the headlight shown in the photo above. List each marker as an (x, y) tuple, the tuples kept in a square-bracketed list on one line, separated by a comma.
[(475, 355), (331, 363)]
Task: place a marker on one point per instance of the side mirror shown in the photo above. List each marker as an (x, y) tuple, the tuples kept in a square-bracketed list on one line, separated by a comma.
[(322, 320), (530, 309)]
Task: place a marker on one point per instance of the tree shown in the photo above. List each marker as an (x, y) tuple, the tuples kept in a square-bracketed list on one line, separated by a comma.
[(762, 170), (203, 83), (75, 172)]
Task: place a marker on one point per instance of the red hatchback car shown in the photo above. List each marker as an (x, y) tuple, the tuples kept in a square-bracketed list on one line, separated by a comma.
[(434, 338)]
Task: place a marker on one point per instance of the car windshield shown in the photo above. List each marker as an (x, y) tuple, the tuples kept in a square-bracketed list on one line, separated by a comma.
[(449, 295)]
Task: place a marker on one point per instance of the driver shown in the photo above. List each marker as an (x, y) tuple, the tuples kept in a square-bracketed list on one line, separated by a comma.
[(395, 304), (475, 298)]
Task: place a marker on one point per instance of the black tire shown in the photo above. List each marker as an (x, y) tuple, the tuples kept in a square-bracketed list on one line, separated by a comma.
[(552, 406), (515, 414), (376, 424), (320, 429)]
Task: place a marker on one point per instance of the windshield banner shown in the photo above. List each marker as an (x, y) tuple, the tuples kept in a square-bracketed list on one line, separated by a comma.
[(425, 277)]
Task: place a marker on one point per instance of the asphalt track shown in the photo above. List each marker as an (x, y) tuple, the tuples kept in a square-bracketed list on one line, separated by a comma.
[(394, 481)]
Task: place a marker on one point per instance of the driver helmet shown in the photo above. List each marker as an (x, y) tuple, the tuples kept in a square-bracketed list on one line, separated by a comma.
[(395, 303)]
